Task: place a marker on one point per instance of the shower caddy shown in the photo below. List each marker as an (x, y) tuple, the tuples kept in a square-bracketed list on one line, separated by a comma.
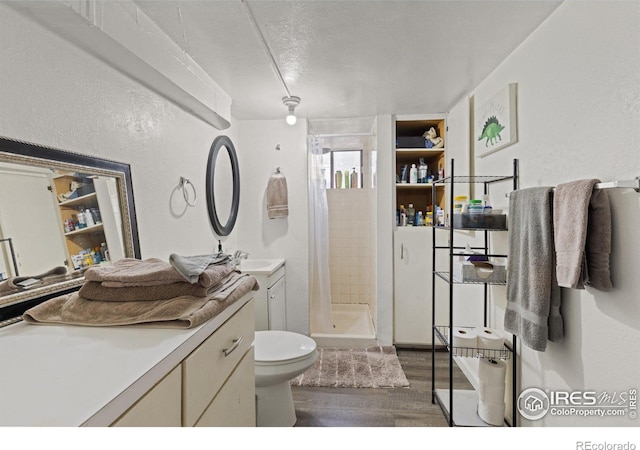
[(465, 400)]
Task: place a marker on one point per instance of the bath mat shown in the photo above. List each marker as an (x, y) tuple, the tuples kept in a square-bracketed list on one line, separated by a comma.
[(371, 367)]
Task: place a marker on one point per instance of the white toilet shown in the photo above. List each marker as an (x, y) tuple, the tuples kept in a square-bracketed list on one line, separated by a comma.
[(280, 356)]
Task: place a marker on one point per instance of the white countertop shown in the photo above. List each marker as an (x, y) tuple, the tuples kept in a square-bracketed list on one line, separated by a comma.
[(261, 266), (65, 375)]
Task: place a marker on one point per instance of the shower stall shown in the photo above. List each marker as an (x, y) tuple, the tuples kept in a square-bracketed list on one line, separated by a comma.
[(342, 208)]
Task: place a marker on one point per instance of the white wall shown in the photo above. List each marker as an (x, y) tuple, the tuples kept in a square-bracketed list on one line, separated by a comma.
[(578, 81), (277, 238), (385, 222), (56, 95)]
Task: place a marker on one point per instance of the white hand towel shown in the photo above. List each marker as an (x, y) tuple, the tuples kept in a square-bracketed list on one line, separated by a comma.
[(277, 198)]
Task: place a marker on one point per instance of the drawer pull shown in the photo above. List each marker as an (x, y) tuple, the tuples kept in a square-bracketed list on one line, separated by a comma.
[(272, 297), (234, 345)]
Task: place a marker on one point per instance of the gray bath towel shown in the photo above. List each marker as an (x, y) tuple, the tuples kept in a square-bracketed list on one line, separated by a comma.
[(582, 227), (533, 295), (192, 267), (277, 197)]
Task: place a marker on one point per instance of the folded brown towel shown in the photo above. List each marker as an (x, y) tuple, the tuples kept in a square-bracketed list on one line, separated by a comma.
[(277, 197), (11, 284), (135, 272), (94, 290), (128, 272), (582, 227), (180, 312)]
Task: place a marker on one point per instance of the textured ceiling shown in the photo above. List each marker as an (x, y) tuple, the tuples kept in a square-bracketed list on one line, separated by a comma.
[(348, 58)]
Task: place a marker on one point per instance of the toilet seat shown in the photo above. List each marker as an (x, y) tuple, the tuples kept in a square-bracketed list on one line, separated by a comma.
[(274, 347)]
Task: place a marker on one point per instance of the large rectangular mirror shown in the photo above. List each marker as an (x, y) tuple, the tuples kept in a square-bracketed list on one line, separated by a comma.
[(60, 213)]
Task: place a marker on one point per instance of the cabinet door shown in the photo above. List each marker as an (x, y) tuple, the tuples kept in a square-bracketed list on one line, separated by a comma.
[(160, 407), (412, 285), (276, 296), (235, 403)]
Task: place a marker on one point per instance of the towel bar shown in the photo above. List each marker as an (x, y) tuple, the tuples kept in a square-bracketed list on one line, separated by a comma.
[(632, 184), (624, 184)]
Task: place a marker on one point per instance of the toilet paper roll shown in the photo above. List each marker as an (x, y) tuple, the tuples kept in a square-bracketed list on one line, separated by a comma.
[(490, 338), (491, 414), (464, 337), (491, 389), (491, 381)]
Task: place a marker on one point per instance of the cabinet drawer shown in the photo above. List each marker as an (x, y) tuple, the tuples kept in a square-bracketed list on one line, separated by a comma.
[(235, 404), (209, 366), (160, 407)]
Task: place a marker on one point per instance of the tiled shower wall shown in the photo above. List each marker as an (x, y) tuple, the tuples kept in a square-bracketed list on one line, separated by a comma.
[(352, 256)]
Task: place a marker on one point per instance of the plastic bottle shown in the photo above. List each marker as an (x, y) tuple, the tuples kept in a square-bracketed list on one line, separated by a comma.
[(420, 220), (403, 216), (338, 179), (413, 174), (95, 212), (347, 179), (458, 203), (354, 178), (404, 174), (411, 214), (422, 172), (88, 218), (81, 220)]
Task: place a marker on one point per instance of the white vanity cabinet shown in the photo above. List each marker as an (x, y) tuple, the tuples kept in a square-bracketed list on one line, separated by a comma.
[(131, 376), (213, 386), (271, 299), (160, 407), (214, 371)]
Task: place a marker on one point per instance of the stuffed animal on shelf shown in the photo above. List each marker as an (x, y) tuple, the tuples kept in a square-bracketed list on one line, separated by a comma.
[(432, 139), (72, 193)]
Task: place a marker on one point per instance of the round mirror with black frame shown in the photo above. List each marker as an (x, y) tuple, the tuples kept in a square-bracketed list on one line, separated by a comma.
[(221, 145)]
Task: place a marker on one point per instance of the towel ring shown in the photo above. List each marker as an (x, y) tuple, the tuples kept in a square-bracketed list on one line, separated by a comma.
[(185, 193)]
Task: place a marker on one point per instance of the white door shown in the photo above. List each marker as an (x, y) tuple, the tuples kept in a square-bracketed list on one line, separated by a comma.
[(412, 285), (28, 216), (276, 298)]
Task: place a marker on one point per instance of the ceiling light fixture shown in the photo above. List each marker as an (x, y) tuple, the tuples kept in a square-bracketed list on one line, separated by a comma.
[(291, 102)]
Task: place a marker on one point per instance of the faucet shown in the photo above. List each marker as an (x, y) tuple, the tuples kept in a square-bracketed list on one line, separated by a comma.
[(238, 255)]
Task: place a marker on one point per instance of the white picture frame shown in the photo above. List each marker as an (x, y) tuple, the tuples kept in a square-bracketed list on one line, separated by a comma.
[(495, 122)]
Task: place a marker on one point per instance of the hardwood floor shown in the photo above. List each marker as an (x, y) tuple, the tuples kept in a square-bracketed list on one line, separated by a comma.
[(397, 407)]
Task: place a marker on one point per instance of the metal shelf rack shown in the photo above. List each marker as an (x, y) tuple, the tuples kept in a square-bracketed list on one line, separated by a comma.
[(457, 405)]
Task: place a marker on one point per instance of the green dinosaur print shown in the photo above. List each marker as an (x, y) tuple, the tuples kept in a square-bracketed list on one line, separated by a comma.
[(491, 131)]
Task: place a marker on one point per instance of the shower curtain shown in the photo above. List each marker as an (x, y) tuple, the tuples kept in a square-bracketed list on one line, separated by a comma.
[(320, 283)]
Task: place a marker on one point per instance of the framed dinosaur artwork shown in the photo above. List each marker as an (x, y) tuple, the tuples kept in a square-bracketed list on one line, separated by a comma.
[(495, 122)]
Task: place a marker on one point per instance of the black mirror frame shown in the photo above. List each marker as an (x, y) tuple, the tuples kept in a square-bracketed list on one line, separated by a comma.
[(218, 144)]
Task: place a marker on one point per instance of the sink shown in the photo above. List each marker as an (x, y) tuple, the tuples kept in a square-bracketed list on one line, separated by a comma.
[(260, 266)]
